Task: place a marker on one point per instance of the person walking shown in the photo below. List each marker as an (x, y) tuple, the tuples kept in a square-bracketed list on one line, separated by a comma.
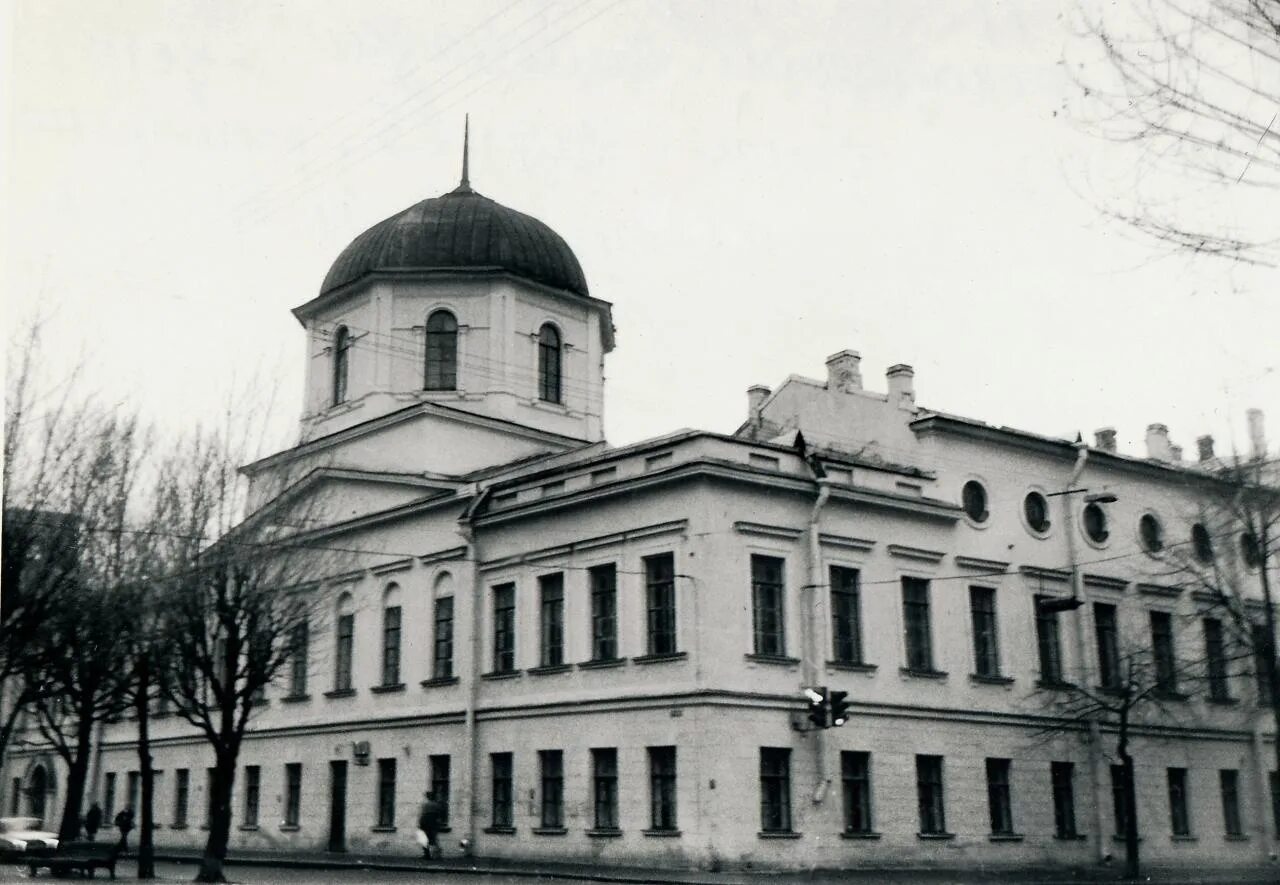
[(93, 821), (429, 819), (124, 823)]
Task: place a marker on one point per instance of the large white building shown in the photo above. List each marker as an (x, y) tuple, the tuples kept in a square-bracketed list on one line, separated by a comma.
[(598, 654)]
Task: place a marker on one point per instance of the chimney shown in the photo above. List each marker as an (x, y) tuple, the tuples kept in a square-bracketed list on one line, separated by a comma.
[(1257, 434), (1175, 452), (844, 371), (756, 395), (1158, 447), (902, 391), (1104, 438), (1205, 445)]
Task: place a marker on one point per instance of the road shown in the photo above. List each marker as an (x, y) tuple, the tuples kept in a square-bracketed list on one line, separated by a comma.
[(257, 875)]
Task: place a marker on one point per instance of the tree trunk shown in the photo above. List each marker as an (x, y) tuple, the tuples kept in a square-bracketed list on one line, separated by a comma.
[(77, 773), (1131, 865), (146, 843), (215, 849)]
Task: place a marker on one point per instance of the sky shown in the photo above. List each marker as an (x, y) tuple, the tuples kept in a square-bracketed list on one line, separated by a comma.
[(753, 185)]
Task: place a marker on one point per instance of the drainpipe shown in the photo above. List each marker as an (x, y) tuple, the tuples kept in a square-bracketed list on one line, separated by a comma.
[(467, 529), (811, 668), (1082, 646)]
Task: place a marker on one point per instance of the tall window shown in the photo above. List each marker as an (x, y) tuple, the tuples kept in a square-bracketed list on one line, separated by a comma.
[(855, 776), (999, 802), (1062, 775), (298, 660), (1274, 779), (551, 602), (766, 598), (181, 796), (391, 643), (1229, 780), (604, 774), (135, 790), (504, 628), (660, 590), (1261, 662), (846, 615), (442, 352), (551, 763), (1048, 643), (345, 645), (210, 783), (1162, 652), (915, 616), (500, 766), (604, 612), (386, 792), (1179, 823), (775, 789), (252, 790), (662, 788), (986, 643), (1216, 655), (549, 364), (1119, 799), (341, 357), (109, 796), (292, 794), (439, 772), (1104, 625), (442, 667), (933, 818)]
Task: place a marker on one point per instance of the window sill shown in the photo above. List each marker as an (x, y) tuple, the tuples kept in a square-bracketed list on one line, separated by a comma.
[(1183, 837), (979, 679), (1170, 696), (923, 674), (778, 834), (1005, 837), (662, 834), (604, 833), (248, 828), (781, 660), (501, 831), (437, 681), (382, 829), (1236, 837), (852, 666), (935, 837), (177, 826), (1223, 702), (501, 674), (289, 828), (1074, 837), (867, 834), (391, 688), (1119, 837), (341, 693), (1055, 684), (549, 669), (658, 659), (549, 831), (295, 698), (602, 663)]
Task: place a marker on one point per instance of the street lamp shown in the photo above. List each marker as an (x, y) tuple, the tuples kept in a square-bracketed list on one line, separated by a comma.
[(1073, 602)]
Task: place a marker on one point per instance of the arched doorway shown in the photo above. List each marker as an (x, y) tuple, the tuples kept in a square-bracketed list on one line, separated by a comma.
[(37, 790)]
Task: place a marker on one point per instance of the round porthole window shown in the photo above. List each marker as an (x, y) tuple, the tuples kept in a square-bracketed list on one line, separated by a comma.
[(1201, 543), (1250, 550), (1035, 507), (973, 497), (1151, 532), (1095, 523)]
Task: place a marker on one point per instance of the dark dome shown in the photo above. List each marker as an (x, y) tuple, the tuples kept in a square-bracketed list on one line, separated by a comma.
[(460, 230)]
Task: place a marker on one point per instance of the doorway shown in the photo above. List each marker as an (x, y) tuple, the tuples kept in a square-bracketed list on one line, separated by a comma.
[(338, 805)]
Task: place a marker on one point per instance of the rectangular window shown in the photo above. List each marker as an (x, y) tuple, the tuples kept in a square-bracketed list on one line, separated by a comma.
[(1062, 775), (1179, 823), (775, 790), (109, 797), (1274, 779), (1162, 652), (933, 818), (15, 796), (504, 628), (660, 593), (391, 645), (500, 766), (551, 764), (766, 599), (210, 776), (1262, 673), (915, 616), (439, 766), (1048, 643), (551, 602), (662, 788), (442, 666), (855, 774), (292, 794), (846, 615), (1119, 799), (604, 775), (986, 642), (1215, 650), (135, 791), (604, 612), (252, 788), (342, 660), (181, 796), (1229, 779), (298, 660), (386, 793), (1104, 625), (999, 802)]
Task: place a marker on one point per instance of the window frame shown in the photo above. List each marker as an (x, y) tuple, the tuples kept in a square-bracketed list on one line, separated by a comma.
[(775, 790), (1062, 785), (181, 797), (442, 638), (252, 794), (662, 625), (550, 364), (663, 771), (846, 615), (1179, 810), (985, 623), (551, 619), (292, 794), (768, 605), (504, 627), (917, 622), (1107, 643), (299, 663), (341, 368), (1048, 643), (551, 792), (386, 797), (603, 581), (1000, 795), (931, 795), (502, 790), (391, 636), (1215, 649), (1164, 651), (604, 788), (440, 351), (855, 779), (1229, 786), (439, 774)]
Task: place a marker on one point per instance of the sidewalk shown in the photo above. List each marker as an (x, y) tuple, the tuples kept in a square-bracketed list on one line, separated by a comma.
[(660, 876)]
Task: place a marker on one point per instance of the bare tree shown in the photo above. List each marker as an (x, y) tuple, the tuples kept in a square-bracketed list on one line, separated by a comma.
[(1191, 87)]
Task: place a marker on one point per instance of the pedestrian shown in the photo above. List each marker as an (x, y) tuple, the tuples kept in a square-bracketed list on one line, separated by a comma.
[(93, 821), (124, 823), (429, 819)]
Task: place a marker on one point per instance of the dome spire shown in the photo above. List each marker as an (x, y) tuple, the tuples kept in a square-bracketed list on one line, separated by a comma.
[(464, 187)]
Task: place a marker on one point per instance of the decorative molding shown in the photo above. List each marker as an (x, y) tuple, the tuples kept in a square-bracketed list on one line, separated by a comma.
[(977, 563), (862, 545), (648, 531), (1164, 591), (902, 551), (1045, 574), (443, 555), (767, 531), (1106, 582), (388, 568)]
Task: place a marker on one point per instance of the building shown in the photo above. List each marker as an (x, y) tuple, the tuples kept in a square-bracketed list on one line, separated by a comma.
[(600, 654)]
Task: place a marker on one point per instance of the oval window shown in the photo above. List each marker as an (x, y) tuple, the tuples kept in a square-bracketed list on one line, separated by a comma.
[(1201, 543), (1151, 533), (973, 498), (1095, 523), (1036, 508)]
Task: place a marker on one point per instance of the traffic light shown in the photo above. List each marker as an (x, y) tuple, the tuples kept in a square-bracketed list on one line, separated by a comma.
[(818, 708), (839, 707)]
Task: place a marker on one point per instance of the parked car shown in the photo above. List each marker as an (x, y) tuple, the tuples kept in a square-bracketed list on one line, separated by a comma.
[(22, 835)]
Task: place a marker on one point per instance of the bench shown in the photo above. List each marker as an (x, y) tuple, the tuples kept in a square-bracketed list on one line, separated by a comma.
[(84, 856)]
